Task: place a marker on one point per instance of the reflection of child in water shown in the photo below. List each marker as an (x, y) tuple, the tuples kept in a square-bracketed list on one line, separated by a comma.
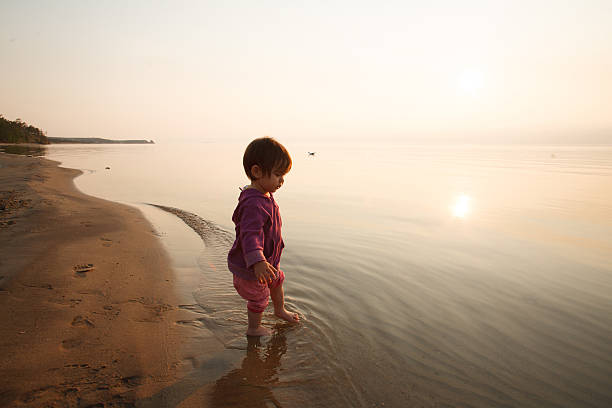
[(250, 385), (255, 255)]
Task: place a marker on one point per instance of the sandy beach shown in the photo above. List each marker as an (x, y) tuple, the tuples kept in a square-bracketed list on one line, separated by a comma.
[(89, 315)]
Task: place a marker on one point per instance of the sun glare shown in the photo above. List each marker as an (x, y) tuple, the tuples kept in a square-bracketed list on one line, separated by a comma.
[(471, 81), (461, 206)]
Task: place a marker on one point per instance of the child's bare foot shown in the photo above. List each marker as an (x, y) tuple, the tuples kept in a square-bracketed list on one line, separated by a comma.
[(291, 317), (259, 331)]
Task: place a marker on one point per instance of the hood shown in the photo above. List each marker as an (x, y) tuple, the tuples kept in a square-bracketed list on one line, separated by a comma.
[(250, 193)]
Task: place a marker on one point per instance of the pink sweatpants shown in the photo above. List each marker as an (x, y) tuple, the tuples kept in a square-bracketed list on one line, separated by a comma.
[(255, 293)]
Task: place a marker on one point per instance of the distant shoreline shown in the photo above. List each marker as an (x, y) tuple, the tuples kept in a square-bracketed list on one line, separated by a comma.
[(95, 140)]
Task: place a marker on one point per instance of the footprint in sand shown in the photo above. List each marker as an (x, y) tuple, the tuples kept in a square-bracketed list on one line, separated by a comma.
[(76, 365), (81, 269), (45, 396), (71, 343), (111, 312), (154, 308), (132, 381), (106, 242), (192, 323), (82, 322)]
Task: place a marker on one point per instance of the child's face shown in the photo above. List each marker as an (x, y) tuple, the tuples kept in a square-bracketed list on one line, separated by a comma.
[(269, 183)]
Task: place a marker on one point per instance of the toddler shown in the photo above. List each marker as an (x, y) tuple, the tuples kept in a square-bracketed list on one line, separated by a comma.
[(255, 255)]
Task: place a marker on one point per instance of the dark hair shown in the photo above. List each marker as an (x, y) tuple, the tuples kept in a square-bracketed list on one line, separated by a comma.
[(268, 154)]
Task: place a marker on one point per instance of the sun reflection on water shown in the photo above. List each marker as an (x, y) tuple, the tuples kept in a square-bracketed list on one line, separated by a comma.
[(461, 206)]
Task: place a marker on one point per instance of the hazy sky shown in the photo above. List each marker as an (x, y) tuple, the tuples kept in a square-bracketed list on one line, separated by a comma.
[(415, 70)]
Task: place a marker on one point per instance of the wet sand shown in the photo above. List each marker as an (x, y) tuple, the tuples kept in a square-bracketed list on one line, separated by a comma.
[(89, 314)]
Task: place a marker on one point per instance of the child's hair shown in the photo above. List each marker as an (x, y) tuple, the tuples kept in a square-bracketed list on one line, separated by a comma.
[(268, 154)]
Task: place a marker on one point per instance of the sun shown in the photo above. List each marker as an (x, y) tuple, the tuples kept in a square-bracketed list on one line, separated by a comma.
[(471, 81)]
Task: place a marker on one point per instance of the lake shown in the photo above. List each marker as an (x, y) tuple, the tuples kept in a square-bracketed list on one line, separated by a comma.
[(426, 275)]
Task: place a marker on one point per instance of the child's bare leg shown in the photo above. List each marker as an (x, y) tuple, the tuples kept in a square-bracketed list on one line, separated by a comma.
[(278, 299), (255, 327)]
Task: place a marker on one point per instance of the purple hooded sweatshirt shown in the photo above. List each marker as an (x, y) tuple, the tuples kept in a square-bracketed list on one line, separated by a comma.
[(258, 233)]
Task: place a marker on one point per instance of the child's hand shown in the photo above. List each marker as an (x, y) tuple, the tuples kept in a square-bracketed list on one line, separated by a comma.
[(264, 272)]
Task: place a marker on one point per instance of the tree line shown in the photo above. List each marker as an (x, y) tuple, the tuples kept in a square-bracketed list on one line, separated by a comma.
[(18, 131)]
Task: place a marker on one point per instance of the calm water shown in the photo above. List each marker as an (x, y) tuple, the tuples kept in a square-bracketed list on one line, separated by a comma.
[(426, 275)]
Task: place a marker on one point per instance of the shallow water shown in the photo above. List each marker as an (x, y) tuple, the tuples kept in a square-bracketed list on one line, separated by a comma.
[(426, 275)]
